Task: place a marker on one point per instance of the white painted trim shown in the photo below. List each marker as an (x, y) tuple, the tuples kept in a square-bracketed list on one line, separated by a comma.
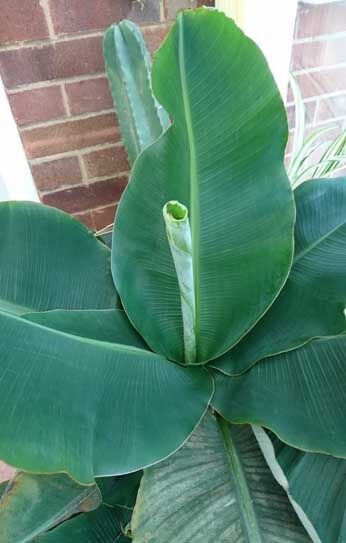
[(317, 2), (270, 23), (16, 181)]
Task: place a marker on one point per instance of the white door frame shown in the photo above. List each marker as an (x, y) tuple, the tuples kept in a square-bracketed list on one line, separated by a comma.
[(270, 23), (16, 182)]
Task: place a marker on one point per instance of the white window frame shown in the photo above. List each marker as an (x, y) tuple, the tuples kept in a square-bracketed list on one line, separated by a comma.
[(270, 23), (16, 182)]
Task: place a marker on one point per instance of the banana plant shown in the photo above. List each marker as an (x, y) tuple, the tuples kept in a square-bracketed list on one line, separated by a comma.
[(187, 385)]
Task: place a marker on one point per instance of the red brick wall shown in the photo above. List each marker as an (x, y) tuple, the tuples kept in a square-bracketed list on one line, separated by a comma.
[(319, 63), (52, 67)]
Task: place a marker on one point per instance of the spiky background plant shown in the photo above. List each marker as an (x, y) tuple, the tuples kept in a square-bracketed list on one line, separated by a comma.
[(303, 163), (207, 348)]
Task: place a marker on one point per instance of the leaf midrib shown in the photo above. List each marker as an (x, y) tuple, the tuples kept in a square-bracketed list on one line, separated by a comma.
[(315, 244), (241, 487), (194, 192)]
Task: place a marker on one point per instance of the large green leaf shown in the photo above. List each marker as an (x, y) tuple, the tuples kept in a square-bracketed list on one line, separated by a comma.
[(48, 260), (109, 522), (91, 408), (300, 395), (111, 325), (315, 484), (32, 504), (223, 159), (215, 488), (313, 300), (128, 66)]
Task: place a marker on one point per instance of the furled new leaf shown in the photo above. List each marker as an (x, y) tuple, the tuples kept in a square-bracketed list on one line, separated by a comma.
[(91, 408), (315, 484), (49, 260), (32, 504), (300, 395), (128, 66), (313, 300), (215, 488), (217, 87)]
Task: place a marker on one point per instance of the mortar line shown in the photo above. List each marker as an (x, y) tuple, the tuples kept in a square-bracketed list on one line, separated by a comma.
[(75, 152), (63, 120)]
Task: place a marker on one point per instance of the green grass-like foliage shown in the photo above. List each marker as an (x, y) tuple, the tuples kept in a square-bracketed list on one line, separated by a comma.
[(207, 347), (303, 162)]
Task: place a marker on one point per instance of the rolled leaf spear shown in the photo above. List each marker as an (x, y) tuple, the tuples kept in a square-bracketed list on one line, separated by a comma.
[(179, 238)]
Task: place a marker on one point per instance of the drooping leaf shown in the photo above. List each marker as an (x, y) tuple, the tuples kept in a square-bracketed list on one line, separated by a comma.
[(300, 395), (223, 100), (105, 525), (315, 484), (32, 504), (128, 67), (111, 325), (3, 487), (109, 523), (313, 300), (49, 260), (120, 491), (217, 487), (91, 408)]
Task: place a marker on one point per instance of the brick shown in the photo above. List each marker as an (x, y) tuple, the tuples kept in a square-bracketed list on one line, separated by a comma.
[(210, 3), (329, 108), (318, 53), (56, 173), (36, 105), (106, 162), (310, 108), (173, 6), (6, 472), (70, 135), (154, 36), (22, 20), (46, 62), (83, 15), (82, 198), (85, 218), (89, 95), (104, 216), (321, 19), (142, 11), (322, 82)]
